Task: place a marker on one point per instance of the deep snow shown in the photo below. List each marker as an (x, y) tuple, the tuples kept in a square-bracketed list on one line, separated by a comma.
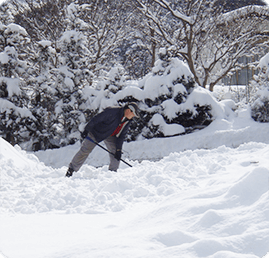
[(199, 195)]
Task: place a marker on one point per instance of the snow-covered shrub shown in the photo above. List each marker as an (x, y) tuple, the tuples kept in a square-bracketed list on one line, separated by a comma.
[(61, 96), (114, 80), (16, 121), (260, 109), (59, 90), (169, 100), (166, 110), (6, 14), (260, 84)]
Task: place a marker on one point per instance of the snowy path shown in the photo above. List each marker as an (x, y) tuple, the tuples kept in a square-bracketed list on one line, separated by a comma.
[(196, 203)]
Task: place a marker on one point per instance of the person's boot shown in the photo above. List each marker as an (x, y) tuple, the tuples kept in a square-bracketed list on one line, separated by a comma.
[(69, 172)]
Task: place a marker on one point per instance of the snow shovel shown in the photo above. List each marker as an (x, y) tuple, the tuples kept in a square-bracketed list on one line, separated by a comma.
[(90, 139)]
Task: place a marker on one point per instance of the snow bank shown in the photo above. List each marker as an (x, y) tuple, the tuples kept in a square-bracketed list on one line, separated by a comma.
[(232, 132), (192, 203)]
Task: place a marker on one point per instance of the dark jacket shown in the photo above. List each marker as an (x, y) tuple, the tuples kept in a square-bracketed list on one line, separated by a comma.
[(105, 123)]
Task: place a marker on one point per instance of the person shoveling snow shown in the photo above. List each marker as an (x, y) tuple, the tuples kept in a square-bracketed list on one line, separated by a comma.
[(109, 126)]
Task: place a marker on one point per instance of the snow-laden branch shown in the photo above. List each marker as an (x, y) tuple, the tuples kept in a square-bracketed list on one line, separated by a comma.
[(244, 12), (177, 14), (161, 32)]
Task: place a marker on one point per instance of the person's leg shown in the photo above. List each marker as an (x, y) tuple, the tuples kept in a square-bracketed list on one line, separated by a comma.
[(111, 146), (86, 148)]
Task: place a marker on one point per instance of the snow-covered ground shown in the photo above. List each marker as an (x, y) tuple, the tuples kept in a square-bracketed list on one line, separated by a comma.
[(205, 194)]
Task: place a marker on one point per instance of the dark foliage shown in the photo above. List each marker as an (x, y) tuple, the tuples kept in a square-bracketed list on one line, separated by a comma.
[(260, 111), (230, 5)]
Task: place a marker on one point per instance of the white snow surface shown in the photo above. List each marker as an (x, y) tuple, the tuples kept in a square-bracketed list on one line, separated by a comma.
[(203, 194)]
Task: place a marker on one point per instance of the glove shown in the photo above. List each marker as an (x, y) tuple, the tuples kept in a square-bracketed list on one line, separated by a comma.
[(84, 134), (117, 155)]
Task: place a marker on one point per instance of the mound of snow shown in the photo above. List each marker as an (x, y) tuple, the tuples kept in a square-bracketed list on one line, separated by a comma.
[(195, 203), (205, 195)]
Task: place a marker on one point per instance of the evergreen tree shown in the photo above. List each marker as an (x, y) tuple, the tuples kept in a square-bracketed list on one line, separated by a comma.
[(166, 97), (260, 92), (16, 121), (6, 13), (43, 20), (165, 91), (71, 77), (105, 24), (43, 99)]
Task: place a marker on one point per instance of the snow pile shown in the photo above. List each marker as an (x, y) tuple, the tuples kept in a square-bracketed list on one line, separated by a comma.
[(232, 132), (209, 202), (264, 62)]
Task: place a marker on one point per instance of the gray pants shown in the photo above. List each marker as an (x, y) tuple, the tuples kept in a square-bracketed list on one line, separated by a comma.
[(86, 148)]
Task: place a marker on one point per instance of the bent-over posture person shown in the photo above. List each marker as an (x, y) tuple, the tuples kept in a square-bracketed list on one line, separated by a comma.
[(110, 126)]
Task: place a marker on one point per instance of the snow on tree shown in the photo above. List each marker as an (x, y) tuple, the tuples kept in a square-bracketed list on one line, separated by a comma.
[(104, 24), (6, 13), (139, 49), (114, 80), (168, 108), (15, 118), (260, 85), (208, 40), (72, 76), (170, 101), (103, 91), (43, 96), (59, 78), (264, 66), (75, 56), (42, 19)]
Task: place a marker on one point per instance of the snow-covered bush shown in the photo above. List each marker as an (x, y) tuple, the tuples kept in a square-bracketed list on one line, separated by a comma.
[(5, 14), (260, 84), (59, 94), (58, 100), (16, 121), (167, 89), (114, 80), (169, 100), (59, 91)]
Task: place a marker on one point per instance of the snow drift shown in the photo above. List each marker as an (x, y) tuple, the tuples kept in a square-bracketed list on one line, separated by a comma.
[(194, 203)]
